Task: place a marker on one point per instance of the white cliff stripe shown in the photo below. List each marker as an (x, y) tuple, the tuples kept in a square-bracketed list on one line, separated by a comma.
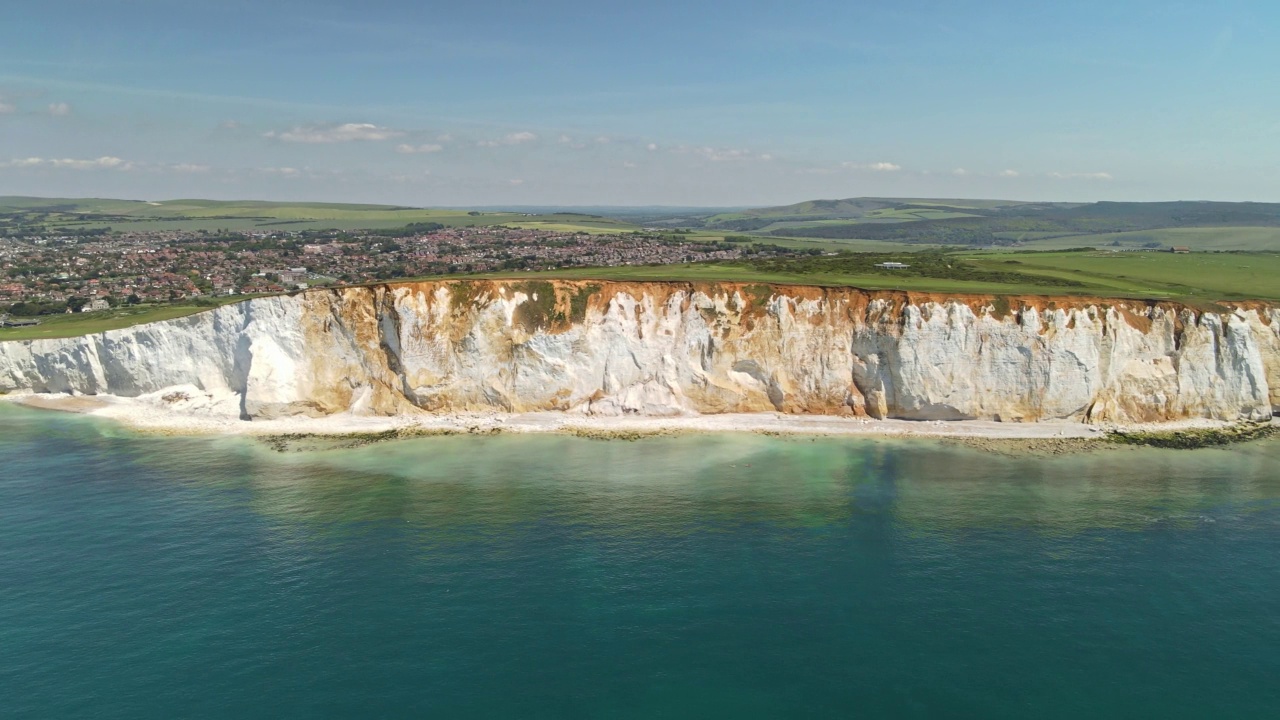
[(655, 349)]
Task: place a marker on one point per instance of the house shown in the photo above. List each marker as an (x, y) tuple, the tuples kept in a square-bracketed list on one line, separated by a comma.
[(1179, 249), (892, 265)]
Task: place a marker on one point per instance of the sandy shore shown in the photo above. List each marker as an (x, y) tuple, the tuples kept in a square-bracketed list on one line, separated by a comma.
[(148, 414)]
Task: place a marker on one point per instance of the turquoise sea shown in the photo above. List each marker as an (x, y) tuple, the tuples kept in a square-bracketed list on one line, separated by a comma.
[(695, 577)]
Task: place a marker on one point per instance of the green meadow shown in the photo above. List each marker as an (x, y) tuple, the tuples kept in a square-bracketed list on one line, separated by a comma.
[(75, 324), (1190, 277)]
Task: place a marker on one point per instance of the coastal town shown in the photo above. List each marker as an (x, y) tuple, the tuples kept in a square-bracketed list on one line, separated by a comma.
[(47, 274)]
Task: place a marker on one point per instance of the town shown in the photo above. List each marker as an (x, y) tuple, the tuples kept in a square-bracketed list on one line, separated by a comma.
[(46, 274)]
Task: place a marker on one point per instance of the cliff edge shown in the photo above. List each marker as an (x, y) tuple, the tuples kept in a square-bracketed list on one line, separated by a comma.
[(670, 348)]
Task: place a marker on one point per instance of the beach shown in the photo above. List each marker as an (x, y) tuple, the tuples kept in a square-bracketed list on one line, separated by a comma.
[(157, 413)]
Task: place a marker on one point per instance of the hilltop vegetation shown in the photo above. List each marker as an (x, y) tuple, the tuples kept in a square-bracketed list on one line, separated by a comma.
[(23, 216)]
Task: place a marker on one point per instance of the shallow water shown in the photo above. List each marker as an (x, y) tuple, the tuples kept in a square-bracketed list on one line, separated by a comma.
[(557, 577)]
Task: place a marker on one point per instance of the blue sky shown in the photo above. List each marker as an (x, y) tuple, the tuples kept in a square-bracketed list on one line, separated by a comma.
[(626, 103)]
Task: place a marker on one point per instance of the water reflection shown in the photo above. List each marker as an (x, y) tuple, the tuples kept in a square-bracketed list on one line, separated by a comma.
[(453, 488)]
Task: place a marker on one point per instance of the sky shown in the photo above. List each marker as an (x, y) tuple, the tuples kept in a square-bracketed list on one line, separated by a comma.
[(666, 102)]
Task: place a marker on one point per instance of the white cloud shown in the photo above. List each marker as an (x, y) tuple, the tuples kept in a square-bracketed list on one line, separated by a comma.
[(418, 149), (282, 171), (629, 165), (722, 155), (515, 138), (105, 162), (7, 108), (444, 138), (1009, 173), (322, 134), (959, 172), (715, 154), (651, 147), (1081, 176), (59, 109), (874, 166), (516, 181), (229, 125)]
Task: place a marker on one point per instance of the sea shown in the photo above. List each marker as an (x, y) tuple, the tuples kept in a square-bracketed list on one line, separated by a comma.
[(702, 576)]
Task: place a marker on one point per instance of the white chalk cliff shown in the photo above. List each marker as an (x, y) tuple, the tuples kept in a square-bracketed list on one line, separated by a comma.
[(680, 348)]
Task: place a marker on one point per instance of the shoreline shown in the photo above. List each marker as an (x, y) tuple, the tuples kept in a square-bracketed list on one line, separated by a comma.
[(148, 414)]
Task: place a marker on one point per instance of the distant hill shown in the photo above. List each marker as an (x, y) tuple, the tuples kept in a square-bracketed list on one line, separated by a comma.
[(1029, 222), (28, 215), (863, 210), (943, 221)]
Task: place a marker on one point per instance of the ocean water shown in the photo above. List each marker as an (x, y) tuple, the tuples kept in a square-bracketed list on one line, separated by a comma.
[(694, 577)]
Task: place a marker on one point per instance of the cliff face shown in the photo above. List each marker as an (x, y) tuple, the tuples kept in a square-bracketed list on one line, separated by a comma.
[(674, 348)]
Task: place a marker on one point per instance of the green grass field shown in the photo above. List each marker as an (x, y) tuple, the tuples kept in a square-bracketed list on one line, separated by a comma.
[(75, 324), (1197, 276)]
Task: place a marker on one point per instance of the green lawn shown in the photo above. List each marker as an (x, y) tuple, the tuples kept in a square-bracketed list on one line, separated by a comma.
[(75, 324), (1196, 276)]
